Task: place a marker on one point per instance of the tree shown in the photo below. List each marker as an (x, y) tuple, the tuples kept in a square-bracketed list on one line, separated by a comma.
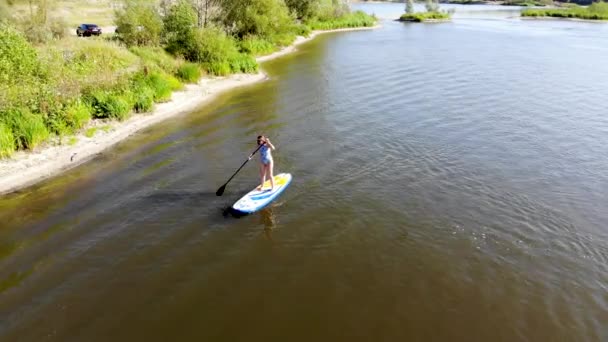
[(432, 6), (179, 26), (139, 23), (203, 10), (409, 6), (304, 9), (256, 17)]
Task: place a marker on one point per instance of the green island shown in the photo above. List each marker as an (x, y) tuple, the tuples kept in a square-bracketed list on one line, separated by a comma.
[(433, 13), (595, 11), (53, 83)]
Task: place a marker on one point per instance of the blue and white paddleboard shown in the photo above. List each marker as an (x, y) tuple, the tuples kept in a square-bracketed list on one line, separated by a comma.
[(258, 199)]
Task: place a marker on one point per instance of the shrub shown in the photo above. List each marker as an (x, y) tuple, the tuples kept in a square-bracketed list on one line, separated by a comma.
[(77, 114), (210, 45), (424, 16), (179, 26), (189, 72), (143, 99), (355, 19), (7, 141), (243, 63), (256, 17), (256, 46), (18, 59), (221, 68), (28, 129), (139, 23), (107, 104)]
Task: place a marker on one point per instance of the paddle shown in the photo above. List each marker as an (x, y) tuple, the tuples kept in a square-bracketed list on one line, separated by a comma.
[(220, 191)]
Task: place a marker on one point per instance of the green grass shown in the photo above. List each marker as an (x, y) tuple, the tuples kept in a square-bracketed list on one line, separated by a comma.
[(596, 11), (109, 104), (425, 16), (72, 141), (349, 20), (90, 132), (189, 72), (28, 129), (143, 99), (257, 46), (106, 128), (156, 57), (7, 141)]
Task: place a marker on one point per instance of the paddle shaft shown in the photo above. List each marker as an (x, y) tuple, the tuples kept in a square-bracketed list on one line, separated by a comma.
[(239, 169)]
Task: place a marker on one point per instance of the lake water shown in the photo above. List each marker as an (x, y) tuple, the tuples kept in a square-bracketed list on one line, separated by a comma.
[(450, 183)]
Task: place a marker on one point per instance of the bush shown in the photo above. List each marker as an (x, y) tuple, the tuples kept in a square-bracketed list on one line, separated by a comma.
[(7, 141), (161, 85), (355, 19), (243, 63), (221, 68), (596, 11), (424, 16), (256, 46), (107, 104), (139, 23), (28, 129), (18, 59), (262, 18), (189, 72), (304, 9), (210, 45), (77, 114), (143, 98)]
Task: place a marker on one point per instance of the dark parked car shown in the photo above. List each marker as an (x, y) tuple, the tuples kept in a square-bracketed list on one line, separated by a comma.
[(87, 30)]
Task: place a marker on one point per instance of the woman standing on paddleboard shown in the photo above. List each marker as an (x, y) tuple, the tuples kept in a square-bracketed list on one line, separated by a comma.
[(267, 165)]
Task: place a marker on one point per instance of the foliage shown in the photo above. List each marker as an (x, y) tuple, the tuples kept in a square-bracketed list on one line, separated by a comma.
[(28, 129), (243, 63), (409, 6), (143, 99), (18, 59), (109, 104), (425, 16), (210, 45), (139, 23), (7, 141), (179, 21), (596, 11), (431, 6), (203, 10), (189, 72), (156, 58), (263, 18), (256, 46), (304, 9), (355, 19)]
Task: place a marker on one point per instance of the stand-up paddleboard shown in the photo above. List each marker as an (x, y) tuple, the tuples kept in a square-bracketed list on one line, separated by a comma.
[(258, 199)]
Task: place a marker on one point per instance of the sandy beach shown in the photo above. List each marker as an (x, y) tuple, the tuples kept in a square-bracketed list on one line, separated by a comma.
[(26, 168)]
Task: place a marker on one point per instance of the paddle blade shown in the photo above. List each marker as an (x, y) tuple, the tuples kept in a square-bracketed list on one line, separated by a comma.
[(220, 191)]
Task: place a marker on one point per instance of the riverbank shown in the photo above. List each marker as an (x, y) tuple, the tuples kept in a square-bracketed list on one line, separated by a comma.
[(26, 168)]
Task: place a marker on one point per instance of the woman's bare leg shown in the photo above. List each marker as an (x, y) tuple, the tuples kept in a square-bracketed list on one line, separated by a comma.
[(270, 170), (262, 176)]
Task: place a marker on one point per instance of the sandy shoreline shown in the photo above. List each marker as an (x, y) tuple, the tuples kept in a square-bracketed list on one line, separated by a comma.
[(26, 168)]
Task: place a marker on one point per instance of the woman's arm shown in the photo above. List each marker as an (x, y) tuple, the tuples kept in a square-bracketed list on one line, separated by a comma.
[(269, 144)]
